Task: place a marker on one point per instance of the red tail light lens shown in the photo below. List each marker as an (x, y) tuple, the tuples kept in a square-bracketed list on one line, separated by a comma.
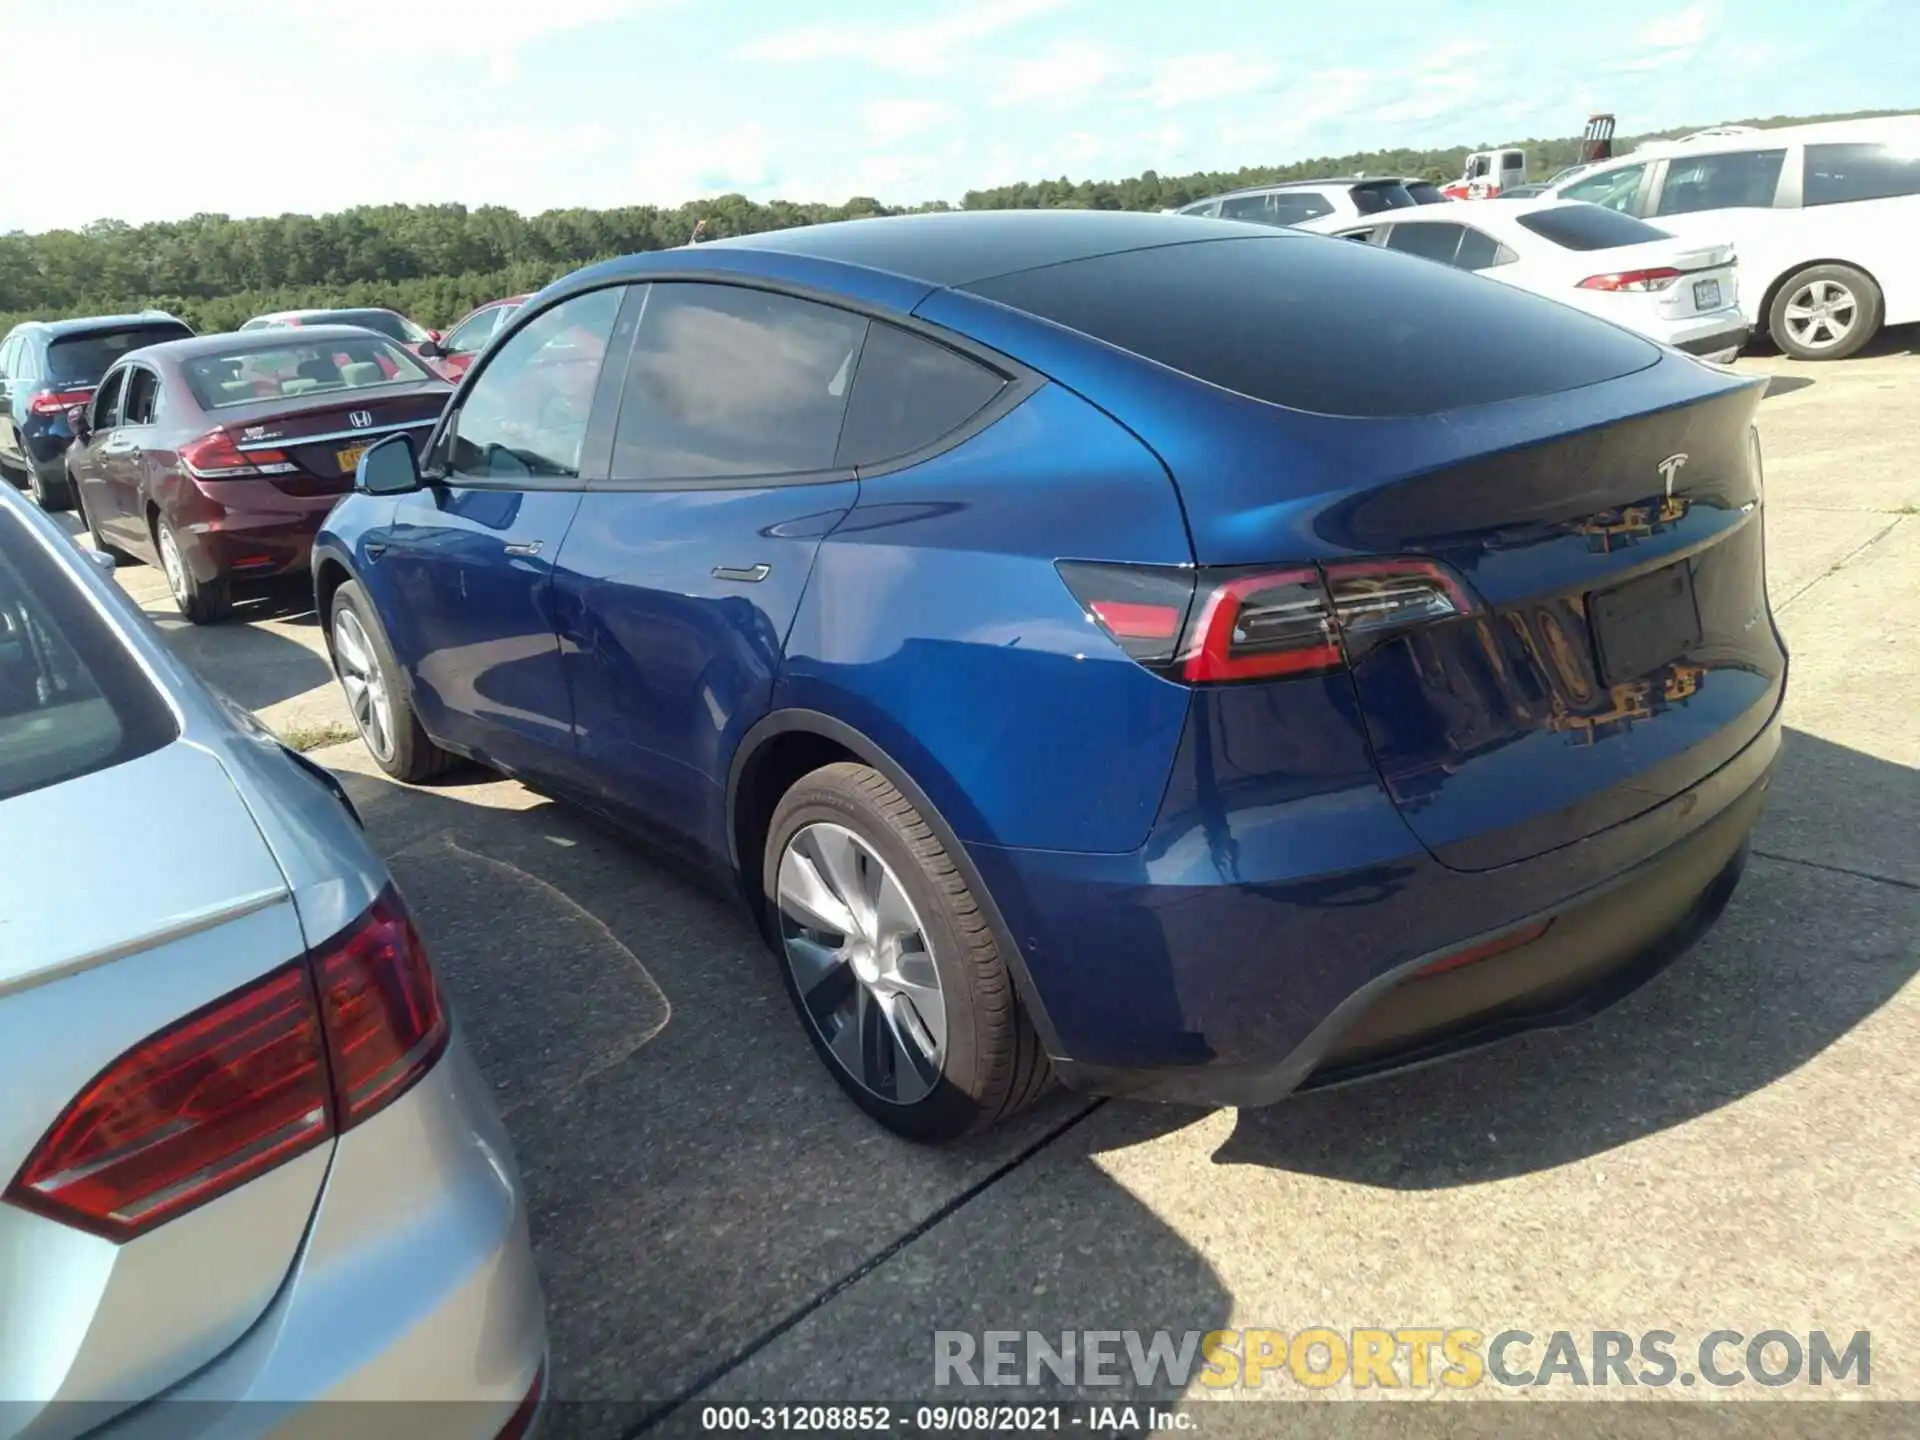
[(1659, 279), (225, 1095), (1206, 626), (244, 1084), (215, 456), (384, 1021), (60, 403)]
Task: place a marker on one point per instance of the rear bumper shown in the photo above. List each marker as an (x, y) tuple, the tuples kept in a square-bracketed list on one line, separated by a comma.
[(1239, 994), (416, 1282), (248, 528), (1721, 344)]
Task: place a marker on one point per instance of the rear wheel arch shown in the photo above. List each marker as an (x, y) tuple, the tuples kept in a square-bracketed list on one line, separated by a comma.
[(789, 744)]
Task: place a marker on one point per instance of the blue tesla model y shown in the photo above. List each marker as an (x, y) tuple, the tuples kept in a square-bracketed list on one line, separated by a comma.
[(1191, 659)]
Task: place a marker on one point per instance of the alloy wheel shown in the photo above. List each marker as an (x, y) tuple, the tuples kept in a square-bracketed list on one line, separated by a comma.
[(860, 962), (175, 565), (360, 677), (1821, 314)]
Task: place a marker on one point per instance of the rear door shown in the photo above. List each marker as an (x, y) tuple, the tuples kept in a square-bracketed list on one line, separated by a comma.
[(111, 940), (464, 576), (681, 575)]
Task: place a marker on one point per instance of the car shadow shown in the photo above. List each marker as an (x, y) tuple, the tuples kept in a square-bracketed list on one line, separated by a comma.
[(1802, 956), (698, 1183), (1785, 384), (255, 665)]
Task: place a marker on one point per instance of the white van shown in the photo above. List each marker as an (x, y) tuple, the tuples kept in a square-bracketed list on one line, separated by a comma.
[(1825, 219)]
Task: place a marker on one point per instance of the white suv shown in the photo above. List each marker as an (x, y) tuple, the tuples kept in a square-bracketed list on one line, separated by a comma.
[(1825, 219), (1309, 204)]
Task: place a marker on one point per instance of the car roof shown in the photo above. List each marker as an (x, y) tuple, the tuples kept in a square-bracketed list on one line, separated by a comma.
[(944, 250), (85, 325), (324, 310), (233, 342), (1723, 138)]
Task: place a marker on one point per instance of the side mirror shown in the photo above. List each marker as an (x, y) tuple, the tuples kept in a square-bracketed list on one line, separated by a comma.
[(431, 348), (78, 423), (388, 468), (99, 559)]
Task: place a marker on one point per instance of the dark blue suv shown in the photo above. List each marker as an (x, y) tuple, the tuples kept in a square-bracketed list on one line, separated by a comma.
[(1192, 659), (46, 368)]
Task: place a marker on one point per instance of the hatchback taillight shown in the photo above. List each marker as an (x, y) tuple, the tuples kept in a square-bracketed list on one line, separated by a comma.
[(1207, 626), (60, 402), (243, 1084)]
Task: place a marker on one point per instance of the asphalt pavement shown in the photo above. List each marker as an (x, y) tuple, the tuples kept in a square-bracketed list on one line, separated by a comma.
[(1732, 1147)]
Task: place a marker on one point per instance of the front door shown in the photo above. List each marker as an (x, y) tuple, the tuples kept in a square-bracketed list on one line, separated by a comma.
[(464, 573), (96, 464)]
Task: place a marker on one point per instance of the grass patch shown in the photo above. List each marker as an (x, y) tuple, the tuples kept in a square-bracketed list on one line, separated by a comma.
[(316, 737)]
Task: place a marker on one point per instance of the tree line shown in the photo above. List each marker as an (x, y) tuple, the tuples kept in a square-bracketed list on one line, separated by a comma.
[(436, 262)]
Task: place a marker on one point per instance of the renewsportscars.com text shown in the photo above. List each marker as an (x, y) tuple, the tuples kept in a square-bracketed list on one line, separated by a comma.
[(1412, 1358)]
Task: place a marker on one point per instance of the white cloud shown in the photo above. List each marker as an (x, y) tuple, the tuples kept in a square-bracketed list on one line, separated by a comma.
[(897, 119), (1682, 31), (1066, 72), (1197, 79), (927, 47)]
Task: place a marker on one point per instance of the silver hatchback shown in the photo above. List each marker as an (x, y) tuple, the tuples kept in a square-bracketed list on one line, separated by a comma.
[(245, 1153)]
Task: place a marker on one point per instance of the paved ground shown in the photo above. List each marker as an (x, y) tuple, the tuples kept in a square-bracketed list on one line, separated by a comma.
[(1733, 1147)]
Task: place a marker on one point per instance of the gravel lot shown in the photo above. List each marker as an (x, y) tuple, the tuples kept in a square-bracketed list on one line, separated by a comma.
[(1732, 1148)]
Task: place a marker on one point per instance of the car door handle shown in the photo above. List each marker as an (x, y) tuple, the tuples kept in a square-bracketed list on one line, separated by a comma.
[(752, 575), (523, 547)]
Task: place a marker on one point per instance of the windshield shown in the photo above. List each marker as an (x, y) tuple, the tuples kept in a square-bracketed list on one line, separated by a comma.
[(83, 359), (384, 322), (250, 371), (72, 699)]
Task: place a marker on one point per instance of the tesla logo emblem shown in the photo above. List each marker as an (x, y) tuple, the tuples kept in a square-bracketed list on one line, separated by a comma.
[(361, 419), (1669, 469)]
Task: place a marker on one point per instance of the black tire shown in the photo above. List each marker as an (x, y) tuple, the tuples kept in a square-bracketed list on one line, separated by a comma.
[(1846, 292), (51, 498), (87, 527), (993, 1064), (411, 756), (16, 478), (204, 602)]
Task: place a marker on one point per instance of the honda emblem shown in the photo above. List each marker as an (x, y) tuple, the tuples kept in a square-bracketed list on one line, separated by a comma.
[(360, 419)]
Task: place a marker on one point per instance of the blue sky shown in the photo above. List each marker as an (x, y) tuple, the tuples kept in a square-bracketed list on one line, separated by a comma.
[(274, 105)]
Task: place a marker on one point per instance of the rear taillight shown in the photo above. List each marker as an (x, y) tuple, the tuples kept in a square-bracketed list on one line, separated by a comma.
[(1658, 279), (1210, 626), (215, 456), (243, 1084), (60, 403)]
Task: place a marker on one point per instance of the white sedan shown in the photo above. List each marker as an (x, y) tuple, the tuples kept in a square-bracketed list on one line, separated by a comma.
[(1679, 292)]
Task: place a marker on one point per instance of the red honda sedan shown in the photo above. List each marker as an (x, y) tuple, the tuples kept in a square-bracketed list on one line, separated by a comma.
[(218, 457)]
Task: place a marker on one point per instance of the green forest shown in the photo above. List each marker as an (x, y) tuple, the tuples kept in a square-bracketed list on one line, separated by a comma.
[(436, 262)]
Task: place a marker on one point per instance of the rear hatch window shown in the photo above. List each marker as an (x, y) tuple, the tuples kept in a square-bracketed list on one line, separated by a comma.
[(82, 359), (1590, 227), (1326, 326), (72, 699), (1371, 199)]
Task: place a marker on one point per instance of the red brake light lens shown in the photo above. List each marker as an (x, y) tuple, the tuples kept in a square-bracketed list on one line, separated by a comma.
[(385, 1024), (244, 1084), (1210, 626), (58, 404), (215, 456), (1659, 279), (226, 1094)]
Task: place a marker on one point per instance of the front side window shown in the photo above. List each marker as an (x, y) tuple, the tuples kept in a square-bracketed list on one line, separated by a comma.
[(1736, 180), (143, 388), (1430, 242), (1836, 174), (725, 381), (1614, 189), (106, 401), (472, 333), (907, 394), (527, 413)]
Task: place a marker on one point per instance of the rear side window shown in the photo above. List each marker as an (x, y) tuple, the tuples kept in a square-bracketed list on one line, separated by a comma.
[(1431, 242), (1588, 227), (1293, 209), (1737, 180), (1325, 325), (1836, 174), (143, 387), (83, 359), (72, 700), (1480, 251), (726, 382), (907, 394)]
